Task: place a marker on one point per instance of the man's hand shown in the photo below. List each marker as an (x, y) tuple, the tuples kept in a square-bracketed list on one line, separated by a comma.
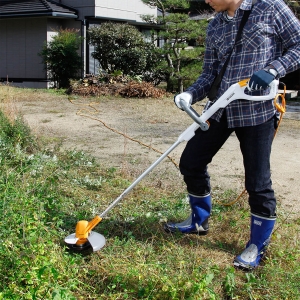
[(186, 97), (260, 80)]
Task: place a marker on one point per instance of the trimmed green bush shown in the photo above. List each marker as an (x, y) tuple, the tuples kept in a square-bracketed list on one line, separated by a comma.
[(61, 57)]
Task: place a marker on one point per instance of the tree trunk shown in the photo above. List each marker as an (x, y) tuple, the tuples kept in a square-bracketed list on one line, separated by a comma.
[(170, 85), (180, 85)]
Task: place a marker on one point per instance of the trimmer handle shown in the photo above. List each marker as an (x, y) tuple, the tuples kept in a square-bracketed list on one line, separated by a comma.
[(194, 115), (235, 91)]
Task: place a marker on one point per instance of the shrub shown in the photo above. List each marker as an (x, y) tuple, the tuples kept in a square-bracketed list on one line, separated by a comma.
[(14, 134), (61, 58), (122, 47)]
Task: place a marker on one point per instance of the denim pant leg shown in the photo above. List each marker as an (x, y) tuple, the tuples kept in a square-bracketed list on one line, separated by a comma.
[(199, 152), (255, 144)]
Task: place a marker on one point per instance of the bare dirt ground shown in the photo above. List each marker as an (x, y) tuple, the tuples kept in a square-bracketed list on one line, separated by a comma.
[(80, 124)]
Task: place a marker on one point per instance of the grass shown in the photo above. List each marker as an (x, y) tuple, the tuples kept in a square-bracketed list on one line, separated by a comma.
[(44, 193)]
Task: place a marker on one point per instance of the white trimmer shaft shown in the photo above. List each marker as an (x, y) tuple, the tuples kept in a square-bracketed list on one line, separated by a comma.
[(84, 238)]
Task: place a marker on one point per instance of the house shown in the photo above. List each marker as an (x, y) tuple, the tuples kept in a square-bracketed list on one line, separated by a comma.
[(25, 25)]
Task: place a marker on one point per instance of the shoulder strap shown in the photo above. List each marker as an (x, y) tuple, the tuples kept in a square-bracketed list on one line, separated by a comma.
[(243, 22), (216, 84)]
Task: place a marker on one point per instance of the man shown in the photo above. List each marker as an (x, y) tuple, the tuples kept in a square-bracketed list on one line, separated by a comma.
[(268, 48)]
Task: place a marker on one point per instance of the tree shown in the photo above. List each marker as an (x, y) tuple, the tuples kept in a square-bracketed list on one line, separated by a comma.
[(184, 63), (294, 5), (121, 47), (61, 57)]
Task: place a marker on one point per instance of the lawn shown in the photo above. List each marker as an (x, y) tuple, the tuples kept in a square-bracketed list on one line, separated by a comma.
[(43, 193)]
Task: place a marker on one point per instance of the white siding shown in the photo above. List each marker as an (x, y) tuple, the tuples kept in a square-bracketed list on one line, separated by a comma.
[(114, 9), (122, 9)]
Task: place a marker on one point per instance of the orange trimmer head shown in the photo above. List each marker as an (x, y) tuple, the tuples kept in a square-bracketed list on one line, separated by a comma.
[(84, 240)]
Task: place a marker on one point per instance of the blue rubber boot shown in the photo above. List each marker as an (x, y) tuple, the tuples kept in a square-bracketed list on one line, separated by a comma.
[(197, 222), (261, 230)]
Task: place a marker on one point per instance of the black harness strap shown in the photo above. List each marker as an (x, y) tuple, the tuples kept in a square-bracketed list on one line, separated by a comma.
[(217, 82)]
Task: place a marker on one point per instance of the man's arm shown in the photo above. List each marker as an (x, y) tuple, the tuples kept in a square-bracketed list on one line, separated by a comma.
[(287, 27)]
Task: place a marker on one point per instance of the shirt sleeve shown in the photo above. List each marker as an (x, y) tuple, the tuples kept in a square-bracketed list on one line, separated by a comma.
[(287, 27)]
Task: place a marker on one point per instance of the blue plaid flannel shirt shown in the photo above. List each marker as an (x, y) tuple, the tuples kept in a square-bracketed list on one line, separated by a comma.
[(270, 36)]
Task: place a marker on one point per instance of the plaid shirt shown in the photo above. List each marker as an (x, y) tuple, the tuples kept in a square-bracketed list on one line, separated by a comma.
[(270, 36)]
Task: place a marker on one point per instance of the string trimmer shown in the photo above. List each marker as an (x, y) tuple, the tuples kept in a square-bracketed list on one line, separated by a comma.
[(85, 240)]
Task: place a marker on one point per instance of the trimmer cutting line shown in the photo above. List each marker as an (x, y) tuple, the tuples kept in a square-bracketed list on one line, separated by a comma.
[(84, 240)]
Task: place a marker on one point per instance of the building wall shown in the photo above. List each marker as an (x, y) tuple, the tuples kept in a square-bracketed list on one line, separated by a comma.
[(84, 7), (122, 9), (54, 25), (20, 42), (130, 10), (22, 39)]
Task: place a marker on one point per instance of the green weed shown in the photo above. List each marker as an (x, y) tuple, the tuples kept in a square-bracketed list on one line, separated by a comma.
[(44, 193)]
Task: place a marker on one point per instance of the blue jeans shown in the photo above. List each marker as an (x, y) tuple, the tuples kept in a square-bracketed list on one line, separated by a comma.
[(255, 145)]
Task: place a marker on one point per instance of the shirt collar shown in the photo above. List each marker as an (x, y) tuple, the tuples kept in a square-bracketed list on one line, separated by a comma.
[(247, 4), (225, 17)]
